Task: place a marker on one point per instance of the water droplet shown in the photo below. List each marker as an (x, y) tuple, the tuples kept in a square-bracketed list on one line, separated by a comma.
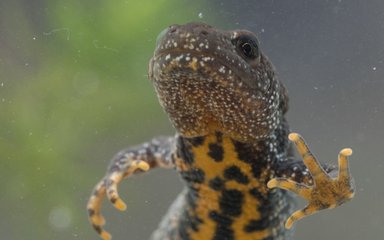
[(60, 218)]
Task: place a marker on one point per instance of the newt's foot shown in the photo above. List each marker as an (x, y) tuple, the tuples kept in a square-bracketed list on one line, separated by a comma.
[(326, 192), (108, 186)]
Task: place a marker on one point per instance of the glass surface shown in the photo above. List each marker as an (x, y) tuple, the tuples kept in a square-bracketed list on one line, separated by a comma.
[(74, 91)]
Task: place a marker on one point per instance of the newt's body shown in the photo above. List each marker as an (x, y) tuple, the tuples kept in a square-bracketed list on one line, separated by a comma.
[(231, 147)]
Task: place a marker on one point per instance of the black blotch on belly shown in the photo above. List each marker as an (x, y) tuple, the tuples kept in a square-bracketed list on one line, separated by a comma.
[(195, 175), (244, 152), (223, 229), (197, 141), (216, 183), (231, 202), (216, 152), (235, 173), (256, 225), (256, 171), (184, 150)]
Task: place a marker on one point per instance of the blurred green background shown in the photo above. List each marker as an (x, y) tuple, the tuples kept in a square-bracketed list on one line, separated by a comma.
[(74, 90)]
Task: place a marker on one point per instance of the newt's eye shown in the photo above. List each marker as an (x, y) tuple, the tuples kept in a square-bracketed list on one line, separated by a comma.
[(248, 46)]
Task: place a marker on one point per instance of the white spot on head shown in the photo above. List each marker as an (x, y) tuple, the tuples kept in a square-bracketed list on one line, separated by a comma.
[(179, 57), (205, 59)]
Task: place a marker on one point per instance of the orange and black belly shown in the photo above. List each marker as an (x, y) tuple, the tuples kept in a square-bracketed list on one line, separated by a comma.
[(227, 197)]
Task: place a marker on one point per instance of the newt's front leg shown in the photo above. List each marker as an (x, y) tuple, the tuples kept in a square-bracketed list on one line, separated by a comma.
[(326, 192), (157, 153)]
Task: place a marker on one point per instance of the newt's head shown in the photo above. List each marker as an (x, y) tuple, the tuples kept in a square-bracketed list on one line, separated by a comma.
[(209, 80)]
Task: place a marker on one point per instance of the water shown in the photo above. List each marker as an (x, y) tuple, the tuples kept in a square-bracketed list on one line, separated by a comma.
[(74, 75)]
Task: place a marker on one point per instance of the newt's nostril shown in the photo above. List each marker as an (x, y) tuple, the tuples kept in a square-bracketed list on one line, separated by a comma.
[(204, 32), (172, 29)]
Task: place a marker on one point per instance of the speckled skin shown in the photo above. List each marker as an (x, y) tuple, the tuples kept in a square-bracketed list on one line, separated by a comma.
[(231, 147)]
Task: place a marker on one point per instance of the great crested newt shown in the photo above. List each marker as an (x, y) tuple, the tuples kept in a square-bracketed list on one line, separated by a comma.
[(233, 147)]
